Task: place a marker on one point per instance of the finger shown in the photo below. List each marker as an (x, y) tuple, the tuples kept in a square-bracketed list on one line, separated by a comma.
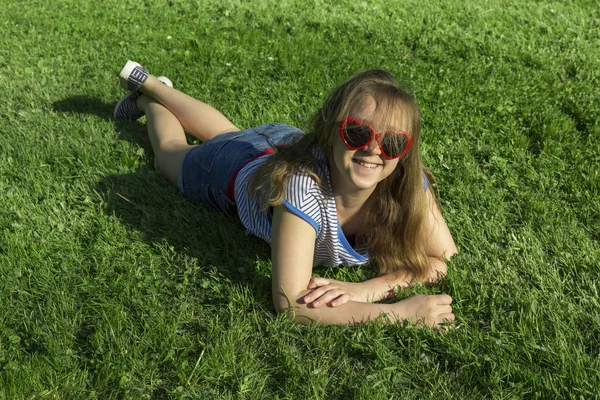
[(443, 299), (343, 299), (316, 282), (315, 294), (446, 318), (444, 324), (444, 309), (327, 297)]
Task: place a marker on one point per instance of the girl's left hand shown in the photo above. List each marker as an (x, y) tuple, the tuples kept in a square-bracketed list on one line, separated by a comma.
[(334, 293)]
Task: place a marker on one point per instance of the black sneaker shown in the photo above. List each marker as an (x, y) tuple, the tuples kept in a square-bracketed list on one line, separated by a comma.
[(127, 109), (132, 76)]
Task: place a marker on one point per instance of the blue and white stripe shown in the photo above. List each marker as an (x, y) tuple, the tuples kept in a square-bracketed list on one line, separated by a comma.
[(306, 199)]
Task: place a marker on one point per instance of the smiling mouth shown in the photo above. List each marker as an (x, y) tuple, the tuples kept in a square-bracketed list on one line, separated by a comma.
[(365, 164)]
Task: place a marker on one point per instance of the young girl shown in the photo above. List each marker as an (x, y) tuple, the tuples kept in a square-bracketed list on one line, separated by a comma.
[(352, 190)]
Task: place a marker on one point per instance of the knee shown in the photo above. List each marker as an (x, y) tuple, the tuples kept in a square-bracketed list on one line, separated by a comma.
[(167, 161)]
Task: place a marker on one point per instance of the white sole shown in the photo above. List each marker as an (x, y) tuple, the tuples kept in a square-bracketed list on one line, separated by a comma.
[(126, 71), (165, 81)]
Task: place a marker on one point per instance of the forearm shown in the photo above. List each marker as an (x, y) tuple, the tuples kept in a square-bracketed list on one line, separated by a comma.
[(386, 286), (348, 313)]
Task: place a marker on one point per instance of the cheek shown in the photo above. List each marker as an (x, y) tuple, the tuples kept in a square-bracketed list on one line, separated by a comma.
[(391, 167), (340, 152)]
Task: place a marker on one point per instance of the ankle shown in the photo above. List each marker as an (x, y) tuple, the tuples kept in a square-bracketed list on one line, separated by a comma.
[(148, 86)]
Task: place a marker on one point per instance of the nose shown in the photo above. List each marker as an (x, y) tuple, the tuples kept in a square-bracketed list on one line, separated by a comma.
[(373, 147)]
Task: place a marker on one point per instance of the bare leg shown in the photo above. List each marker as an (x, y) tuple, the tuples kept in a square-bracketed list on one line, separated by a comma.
[(201, 120), (166, 137)]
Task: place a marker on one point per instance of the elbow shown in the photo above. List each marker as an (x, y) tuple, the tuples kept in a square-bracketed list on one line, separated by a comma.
[(448, 254), (282, 307), (438, 270), (438, 267), (296, 316), (448, 249), (293, 307)]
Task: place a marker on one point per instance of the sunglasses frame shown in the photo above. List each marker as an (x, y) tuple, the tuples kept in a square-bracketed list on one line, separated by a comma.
[(374, 135)]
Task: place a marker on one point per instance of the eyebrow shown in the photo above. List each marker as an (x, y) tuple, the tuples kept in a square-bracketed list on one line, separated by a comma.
[(370, 122)]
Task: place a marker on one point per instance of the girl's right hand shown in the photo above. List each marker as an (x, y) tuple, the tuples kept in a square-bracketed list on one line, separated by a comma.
[(428, 310)]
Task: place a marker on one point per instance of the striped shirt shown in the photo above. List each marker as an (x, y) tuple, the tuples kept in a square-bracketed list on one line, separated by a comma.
[(309, 201)]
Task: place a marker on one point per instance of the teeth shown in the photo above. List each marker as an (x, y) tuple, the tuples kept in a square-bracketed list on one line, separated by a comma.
[(365, 164)]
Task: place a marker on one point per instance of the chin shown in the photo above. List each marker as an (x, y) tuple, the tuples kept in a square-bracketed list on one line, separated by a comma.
[(367, 179), (362, 183)]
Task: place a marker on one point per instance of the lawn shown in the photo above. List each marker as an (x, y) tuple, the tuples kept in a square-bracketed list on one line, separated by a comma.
[(113, 286)]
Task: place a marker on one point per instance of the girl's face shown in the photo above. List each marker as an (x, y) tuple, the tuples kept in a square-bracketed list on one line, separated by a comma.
[(360, 170)]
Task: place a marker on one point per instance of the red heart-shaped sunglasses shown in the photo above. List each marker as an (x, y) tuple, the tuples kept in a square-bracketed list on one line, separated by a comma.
[(358, 135)]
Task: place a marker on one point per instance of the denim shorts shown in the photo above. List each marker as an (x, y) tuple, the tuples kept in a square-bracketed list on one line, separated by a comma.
[(207, 170)]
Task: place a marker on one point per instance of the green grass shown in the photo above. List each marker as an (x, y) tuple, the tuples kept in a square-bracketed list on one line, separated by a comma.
[(114, 286)]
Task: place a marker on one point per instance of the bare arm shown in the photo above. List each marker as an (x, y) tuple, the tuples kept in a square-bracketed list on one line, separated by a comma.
[(293, 241), (439, 239), (440, 246)]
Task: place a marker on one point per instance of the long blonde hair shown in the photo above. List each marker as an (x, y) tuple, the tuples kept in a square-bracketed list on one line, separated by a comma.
[(395, 214)]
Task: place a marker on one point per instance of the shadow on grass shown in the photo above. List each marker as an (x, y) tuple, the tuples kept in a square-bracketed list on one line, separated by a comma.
[(132, 131), (148, 204), (203, 255)]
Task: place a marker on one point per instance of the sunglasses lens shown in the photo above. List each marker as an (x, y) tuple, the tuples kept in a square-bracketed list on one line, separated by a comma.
[(356, 135), (393, 144)]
